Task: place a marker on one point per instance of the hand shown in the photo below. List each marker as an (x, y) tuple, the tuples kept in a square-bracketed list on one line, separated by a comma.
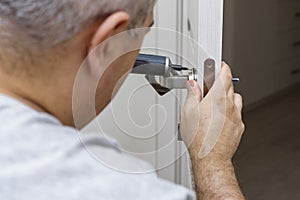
[(213, 127)]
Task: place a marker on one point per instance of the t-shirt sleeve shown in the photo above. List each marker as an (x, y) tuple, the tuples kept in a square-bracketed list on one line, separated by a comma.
[(131, 178)]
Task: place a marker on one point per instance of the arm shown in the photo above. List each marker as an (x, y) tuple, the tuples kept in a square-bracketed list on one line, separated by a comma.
[(215, 180), (212, 128)]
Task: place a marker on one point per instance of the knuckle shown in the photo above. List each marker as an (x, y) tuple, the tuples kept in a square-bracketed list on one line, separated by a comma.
[(227, 69), (224, 64), (239, 97), (243, 127)]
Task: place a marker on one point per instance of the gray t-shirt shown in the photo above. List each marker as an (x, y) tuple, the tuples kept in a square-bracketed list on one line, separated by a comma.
[(42, 159)]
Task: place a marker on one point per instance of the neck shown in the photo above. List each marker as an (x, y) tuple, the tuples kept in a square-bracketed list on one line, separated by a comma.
[(38, 95), (24, 100)]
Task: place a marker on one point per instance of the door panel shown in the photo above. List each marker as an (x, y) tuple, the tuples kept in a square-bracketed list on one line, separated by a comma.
[(202, 42)]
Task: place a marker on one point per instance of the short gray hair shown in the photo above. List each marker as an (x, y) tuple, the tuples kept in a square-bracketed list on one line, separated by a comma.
[(52, 22)]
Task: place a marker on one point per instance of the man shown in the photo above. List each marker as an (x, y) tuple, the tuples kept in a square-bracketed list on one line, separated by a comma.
[(46, 77)]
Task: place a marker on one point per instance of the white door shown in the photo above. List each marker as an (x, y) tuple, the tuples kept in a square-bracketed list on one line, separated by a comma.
[(141, 120)]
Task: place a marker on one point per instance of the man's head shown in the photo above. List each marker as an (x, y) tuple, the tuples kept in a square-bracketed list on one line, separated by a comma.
[(44, 42)]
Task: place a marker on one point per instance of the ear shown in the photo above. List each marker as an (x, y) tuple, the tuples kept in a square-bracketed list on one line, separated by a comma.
[(113, 24)]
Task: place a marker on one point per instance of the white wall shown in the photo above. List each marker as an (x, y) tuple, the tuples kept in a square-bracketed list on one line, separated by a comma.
[(259, 37)]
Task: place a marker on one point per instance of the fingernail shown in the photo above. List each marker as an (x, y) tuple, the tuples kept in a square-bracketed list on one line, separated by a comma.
[(190, 84)]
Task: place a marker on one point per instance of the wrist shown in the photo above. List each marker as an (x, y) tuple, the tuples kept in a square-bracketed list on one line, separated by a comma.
[(212, 160)]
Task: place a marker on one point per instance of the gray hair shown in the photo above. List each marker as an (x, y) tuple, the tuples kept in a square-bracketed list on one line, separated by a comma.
[(52, 22)]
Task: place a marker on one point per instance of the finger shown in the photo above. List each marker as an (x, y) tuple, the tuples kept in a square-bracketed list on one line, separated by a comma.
[(231, 92), (194, 90), (225, 76), (192, 100), (238, 101)]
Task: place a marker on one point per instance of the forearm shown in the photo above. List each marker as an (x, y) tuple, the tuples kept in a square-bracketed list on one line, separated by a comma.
[(215, 179)]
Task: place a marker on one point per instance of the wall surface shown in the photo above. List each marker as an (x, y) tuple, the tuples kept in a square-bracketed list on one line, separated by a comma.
[(261, 40)]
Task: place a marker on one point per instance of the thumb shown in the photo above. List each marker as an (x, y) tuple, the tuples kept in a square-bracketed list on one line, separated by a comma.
[(194, 91), (190, 112)]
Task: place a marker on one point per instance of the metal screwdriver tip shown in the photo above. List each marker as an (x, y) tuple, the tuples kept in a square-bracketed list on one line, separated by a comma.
[(236, 80)]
